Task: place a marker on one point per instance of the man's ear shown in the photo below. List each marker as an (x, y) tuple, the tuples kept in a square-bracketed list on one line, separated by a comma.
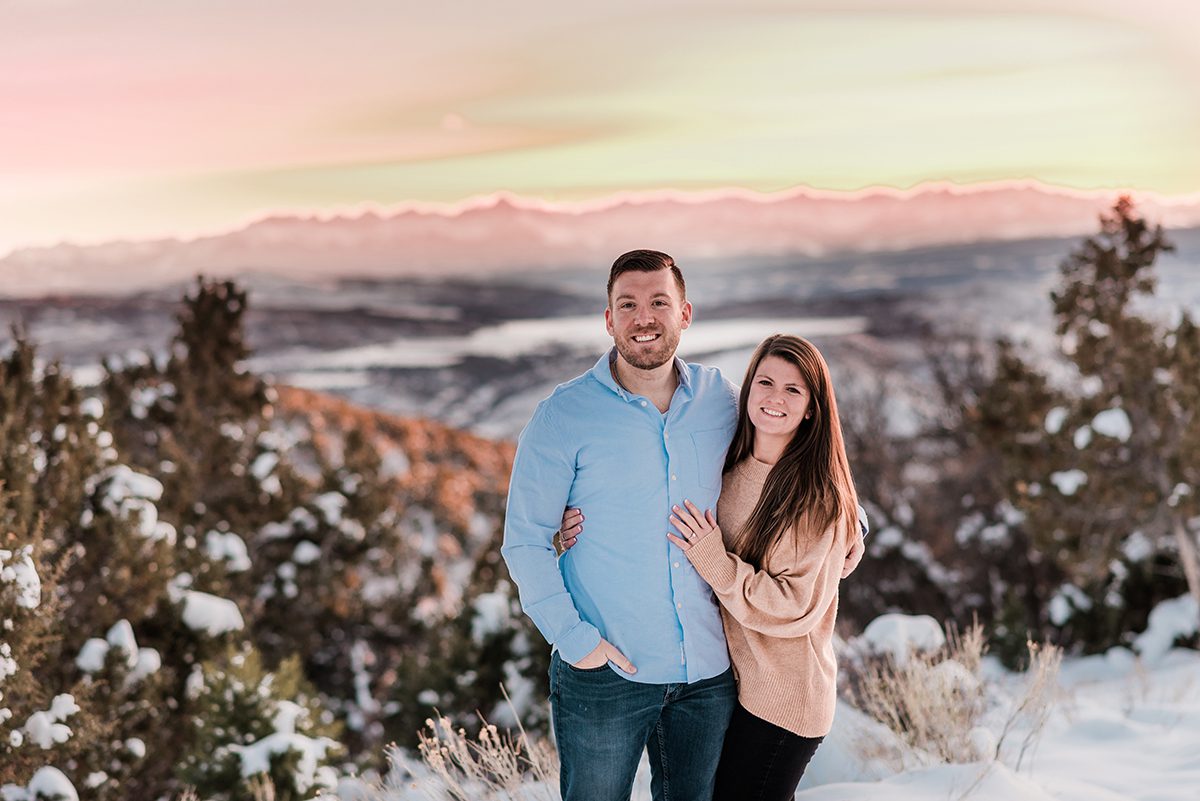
[(687, 314), (608, 323)]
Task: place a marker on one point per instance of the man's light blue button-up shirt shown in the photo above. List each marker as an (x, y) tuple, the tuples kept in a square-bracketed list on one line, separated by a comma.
[(595, 446)]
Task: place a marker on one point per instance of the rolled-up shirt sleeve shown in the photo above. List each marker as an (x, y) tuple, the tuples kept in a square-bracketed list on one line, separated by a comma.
[(543, 471)]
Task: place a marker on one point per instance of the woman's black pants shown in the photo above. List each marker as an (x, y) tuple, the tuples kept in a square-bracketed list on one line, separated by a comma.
[(760, 761)]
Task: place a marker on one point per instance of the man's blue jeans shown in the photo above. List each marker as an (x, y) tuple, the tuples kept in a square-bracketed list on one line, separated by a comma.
[(603, 721)]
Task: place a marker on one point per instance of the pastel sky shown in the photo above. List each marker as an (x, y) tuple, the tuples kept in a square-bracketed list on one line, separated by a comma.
[(123, 119)]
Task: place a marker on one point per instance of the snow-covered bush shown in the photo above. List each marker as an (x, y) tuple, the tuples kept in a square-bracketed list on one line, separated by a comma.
[(250, 722), (47, 784), (39, 727), (127, 682), (187, 510), (44, 447)]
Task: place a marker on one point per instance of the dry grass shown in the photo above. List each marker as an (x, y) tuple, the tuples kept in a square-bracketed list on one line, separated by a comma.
[(932, 701), (261, 788), (935, 704), (494, 765), (1032, 709)]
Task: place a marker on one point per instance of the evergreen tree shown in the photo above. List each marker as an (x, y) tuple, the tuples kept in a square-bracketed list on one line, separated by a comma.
[(194, 422), (1104, 463), (249, 721), (47, 448), (41, 722)]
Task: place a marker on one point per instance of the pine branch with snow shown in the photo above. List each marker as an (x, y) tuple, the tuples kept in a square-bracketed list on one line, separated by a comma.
[(250, 722)]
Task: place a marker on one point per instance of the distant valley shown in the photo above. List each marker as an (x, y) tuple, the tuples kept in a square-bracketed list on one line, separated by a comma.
[(478, 352)]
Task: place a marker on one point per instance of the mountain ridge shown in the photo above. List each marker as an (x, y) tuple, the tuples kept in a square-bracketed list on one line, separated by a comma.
[(505, 233)]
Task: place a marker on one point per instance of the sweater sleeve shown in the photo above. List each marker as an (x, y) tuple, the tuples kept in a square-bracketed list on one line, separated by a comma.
[(789, 603)]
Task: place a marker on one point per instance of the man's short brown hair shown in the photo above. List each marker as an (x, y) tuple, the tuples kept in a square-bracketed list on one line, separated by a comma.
[(645, 261)]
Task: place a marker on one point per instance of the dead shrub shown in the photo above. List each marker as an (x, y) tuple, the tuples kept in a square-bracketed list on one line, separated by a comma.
[(935, 704), (493, 765)]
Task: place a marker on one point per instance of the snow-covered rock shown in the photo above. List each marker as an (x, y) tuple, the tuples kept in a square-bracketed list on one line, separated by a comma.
[(898, 636)]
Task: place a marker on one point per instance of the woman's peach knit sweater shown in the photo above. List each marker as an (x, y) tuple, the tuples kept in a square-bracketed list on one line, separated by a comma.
[(778, 620)]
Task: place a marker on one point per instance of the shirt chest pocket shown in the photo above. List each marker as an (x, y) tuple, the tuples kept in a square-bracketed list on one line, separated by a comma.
[(710, 446)]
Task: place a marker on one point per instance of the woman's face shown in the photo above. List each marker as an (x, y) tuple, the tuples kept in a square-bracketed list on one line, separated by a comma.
[(779, 398)]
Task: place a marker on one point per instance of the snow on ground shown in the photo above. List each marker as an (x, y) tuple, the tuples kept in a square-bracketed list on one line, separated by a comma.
[(1122, 731), (1125, 727)]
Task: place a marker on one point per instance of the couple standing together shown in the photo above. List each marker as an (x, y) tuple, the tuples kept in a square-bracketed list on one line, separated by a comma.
[(704, 638)]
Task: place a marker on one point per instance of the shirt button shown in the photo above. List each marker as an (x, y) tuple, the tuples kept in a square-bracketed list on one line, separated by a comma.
[(643, 403), (666, 435), (676, 564), (674, 478), (678, 606)]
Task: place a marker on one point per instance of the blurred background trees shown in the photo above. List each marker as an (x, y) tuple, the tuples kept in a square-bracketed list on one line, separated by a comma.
[(1052, 499)]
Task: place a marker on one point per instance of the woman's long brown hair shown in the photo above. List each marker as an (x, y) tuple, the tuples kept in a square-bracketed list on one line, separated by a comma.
[(811, 483)]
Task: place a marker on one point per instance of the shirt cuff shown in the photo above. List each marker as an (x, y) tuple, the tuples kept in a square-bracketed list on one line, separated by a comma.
[(711, 560), (577, 643)]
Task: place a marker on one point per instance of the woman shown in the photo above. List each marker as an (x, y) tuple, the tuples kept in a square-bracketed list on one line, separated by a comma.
[(788, 513)]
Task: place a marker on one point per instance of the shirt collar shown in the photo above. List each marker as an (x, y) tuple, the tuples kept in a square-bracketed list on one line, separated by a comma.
[(603, 372)]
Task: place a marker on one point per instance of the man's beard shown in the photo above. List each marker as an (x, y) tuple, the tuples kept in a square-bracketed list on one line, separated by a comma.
[(644, 359)]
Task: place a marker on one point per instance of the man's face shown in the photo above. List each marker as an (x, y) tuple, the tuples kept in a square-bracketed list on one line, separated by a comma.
[(645, 316)]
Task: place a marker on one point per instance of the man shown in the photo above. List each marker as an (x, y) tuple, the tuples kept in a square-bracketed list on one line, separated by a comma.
[(639, 658)]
